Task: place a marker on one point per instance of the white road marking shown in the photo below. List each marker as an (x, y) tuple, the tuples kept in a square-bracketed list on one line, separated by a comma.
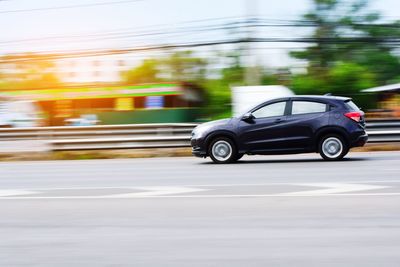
[(13, 192), (326, 189), (333, 188), (203, 185), (154, 191)]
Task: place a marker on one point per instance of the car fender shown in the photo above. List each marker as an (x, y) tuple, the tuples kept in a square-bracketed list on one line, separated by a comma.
[(214, 134), (331, 129)]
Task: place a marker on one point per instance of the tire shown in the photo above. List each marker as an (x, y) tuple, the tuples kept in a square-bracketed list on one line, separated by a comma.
[(222, 150), (332, 147)]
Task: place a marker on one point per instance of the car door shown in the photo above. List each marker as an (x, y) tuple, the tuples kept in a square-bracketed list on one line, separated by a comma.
[(266, 130), (304, 118)]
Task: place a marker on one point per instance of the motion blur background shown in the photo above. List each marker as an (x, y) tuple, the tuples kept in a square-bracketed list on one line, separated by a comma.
[(147, 71), (147, 61)]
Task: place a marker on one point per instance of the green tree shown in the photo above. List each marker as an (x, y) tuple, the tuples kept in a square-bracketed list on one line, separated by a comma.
[(219, 90), (183, 66), (178, 67), (147, 72), (344, 78), (234, 73), (352, 50), (347, 31), (349, 78), (323, 16)]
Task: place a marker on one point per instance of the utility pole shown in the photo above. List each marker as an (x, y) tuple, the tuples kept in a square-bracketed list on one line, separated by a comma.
[(252, 74)]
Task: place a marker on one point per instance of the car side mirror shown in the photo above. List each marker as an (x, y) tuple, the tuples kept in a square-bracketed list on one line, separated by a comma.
[(248, 117)]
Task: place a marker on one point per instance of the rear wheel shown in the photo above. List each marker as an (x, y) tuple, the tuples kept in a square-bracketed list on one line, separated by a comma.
[(333, 147), (223, 150)]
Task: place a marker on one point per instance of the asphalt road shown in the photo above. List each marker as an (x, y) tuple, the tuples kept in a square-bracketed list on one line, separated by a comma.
[(264, 211)]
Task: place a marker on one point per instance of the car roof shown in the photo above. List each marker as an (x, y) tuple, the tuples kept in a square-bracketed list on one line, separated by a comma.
[(320, 97), (305, 97)]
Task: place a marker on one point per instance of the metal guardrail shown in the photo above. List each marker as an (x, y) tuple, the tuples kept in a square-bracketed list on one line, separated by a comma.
[(96, 131), (121, 143), (383, 131), (379, 124), (384, 136), (141, 136)]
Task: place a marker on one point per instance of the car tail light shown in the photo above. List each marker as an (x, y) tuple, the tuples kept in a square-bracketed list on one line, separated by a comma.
[(355, 116)]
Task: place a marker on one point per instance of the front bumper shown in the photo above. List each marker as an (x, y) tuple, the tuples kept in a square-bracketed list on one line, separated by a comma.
[(198, 148)]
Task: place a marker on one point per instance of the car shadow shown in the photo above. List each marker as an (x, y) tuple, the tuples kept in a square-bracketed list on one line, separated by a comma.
[(294, 160)]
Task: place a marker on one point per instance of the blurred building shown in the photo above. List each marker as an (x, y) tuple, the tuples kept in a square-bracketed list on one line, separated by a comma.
[(70, 88), (92, 69), (388, 97), (148, 103), (78, 70), (22, 71)]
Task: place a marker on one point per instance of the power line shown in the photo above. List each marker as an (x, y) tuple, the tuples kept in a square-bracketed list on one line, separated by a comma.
[(119, 34), (95, 53), (254, 23), (141, 31), (69, 7), (133, 34)]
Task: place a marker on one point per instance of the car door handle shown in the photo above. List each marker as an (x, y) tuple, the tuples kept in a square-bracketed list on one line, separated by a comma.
[(279, 120)]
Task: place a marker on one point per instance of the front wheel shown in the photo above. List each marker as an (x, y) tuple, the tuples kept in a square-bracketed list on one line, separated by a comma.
[(333, 147), (222, 150)]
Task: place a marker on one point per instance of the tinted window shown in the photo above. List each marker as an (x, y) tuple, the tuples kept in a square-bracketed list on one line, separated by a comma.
[(350, 104), (271, 110), (305, 107)]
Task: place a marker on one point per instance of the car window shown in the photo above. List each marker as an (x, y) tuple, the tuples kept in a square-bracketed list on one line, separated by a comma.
[(271, 110), (305, 107), (350, 104)]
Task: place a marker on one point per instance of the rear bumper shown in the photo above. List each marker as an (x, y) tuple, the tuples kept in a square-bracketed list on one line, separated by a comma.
[(360, 140)]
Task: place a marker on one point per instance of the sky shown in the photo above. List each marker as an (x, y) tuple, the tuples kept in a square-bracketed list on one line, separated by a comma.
[(141, 15)]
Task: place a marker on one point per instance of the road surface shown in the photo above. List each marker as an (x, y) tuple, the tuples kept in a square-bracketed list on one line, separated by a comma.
[(264, 211)]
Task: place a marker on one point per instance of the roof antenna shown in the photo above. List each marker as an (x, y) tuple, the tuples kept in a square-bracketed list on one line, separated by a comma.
[(328, 94)]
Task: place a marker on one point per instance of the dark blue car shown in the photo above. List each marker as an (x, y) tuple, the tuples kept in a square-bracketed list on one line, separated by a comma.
[(325, 124)]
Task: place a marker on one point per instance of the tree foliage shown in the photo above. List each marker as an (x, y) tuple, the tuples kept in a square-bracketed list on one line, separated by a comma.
[(352, 49), (184, 66), (181, 66), (147, 72)]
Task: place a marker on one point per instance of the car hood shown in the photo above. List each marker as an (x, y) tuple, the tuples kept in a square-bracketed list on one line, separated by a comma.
[(210, 124), (217, 122)]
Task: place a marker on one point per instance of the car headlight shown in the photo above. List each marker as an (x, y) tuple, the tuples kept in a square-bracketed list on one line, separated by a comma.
[(198, 133)]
